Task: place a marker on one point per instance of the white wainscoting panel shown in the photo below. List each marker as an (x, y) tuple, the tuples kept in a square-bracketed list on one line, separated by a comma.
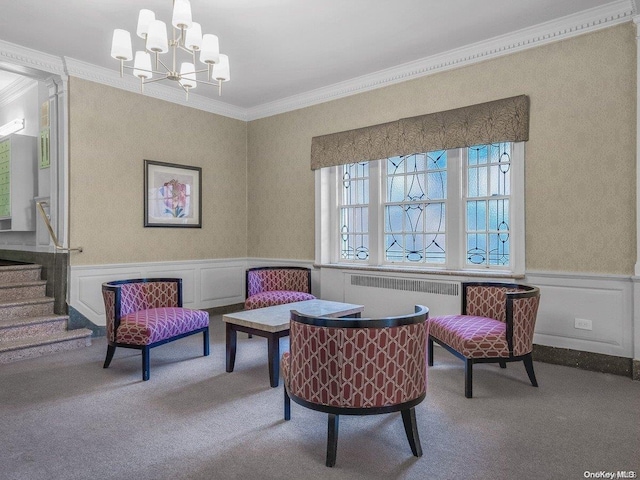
[(606, 301), (205, 283)]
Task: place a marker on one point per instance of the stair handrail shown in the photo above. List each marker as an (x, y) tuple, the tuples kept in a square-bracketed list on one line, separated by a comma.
[(52, 234)]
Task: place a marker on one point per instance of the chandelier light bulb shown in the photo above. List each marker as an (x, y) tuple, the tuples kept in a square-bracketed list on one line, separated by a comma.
[(221, 69), (145, 17), (181, 14), (210, 50), (193, 40), (157, 37), (188, 75), (121, 45), (142, 65)]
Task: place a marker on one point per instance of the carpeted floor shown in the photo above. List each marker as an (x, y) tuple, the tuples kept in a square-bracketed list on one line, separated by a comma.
[(65, 417)]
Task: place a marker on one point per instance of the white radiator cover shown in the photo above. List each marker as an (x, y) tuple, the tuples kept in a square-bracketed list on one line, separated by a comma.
[(390, 295)]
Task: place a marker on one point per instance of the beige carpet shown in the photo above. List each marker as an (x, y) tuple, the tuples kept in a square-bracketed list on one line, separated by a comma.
[(65, 417)]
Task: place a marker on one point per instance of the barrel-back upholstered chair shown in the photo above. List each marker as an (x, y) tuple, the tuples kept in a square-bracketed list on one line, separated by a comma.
[(143, 313), (357, 367), (496, 326), (267, 286)]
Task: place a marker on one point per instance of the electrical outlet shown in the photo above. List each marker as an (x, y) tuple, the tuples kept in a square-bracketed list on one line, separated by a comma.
[(583, 324)]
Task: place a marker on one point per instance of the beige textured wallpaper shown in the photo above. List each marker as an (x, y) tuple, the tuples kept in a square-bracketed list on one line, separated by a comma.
[(580, 157), (111, 133)]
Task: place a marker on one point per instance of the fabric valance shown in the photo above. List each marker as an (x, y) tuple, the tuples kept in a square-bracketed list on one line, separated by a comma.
[(505, 120)]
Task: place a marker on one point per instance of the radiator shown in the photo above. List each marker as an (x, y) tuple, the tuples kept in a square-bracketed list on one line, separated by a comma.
[(385, 296)]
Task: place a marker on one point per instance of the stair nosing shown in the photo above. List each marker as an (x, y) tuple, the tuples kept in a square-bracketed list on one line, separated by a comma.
[(37, 341), (28, 283), (34, 320), (25, 266), (26, 301)]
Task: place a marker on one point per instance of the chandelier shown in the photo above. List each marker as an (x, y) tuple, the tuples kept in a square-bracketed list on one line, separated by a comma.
[(187, 40)]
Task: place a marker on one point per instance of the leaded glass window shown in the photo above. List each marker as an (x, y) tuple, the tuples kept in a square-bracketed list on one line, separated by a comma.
[(354, 212), (447, 210), (415, 207), (488, 190)]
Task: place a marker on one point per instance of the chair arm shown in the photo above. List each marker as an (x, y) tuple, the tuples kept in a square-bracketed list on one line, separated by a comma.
[(521, 321)]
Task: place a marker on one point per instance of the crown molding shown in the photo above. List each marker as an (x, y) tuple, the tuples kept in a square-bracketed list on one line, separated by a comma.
[(15, 90), (30, 62), (620, 11), (37, 64), (106, 76)]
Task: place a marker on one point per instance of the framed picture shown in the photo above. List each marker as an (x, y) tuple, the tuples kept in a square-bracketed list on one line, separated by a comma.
[(172, 195)]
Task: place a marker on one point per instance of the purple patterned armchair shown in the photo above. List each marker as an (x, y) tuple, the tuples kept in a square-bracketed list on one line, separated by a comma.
[(496, 326), (357, 367), (268, 286), (143, 313)]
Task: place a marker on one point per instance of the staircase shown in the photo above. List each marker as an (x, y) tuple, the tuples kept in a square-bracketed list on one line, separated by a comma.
[(28, 326)]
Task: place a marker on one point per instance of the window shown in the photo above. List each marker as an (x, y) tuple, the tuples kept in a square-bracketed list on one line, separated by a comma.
[(459, 209)]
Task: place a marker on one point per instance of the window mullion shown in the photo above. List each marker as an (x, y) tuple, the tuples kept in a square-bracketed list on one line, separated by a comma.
[(455, 209), (376, 213)]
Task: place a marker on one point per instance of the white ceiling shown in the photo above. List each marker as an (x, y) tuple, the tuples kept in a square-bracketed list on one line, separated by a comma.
[(281, 48)]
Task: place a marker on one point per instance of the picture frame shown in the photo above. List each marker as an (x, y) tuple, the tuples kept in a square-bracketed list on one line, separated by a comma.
[(172, 195)]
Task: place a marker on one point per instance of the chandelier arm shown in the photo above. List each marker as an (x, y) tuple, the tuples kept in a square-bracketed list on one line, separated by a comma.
[(185, 49), (155, 80), (215, 84), (130, 67), (196, 72), (161, 63)]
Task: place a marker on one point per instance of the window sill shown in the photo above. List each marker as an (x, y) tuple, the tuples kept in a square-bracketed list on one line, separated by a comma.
[(422, 271)]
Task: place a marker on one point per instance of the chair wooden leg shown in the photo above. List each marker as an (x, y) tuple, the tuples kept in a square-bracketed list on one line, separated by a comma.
[(287, 405), (332, 440), (205, 342), (468, 378), (430, 352), (145, 363), (502, 363), (411, 429), (111, 349), (528, 365)]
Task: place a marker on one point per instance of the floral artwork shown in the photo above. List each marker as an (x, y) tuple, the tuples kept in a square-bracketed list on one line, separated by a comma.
[(172, 195), (176, 198)]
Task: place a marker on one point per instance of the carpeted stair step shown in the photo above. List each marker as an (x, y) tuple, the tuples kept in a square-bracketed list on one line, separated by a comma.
[(33, 327), (23, 308), (31, 347), (19, 273), (24, 289)]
